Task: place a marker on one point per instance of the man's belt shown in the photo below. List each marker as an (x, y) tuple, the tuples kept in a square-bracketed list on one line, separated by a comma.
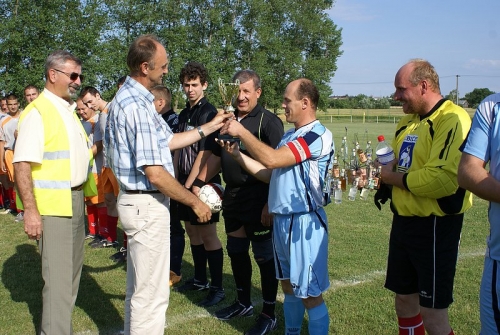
[(77, 188), (141, 192)]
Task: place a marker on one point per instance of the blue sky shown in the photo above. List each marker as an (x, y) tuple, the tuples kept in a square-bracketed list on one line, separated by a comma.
[(458, 37)]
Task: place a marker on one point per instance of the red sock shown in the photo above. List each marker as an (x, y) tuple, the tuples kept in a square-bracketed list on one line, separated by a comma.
[(125, 240), (451, 333), (102, 214), (92, 219), (413, 326), (12, 197), (1, 195), (112, 223)]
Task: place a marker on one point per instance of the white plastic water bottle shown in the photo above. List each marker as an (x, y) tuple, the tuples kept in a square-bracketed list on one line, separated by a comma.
[(384, 151)]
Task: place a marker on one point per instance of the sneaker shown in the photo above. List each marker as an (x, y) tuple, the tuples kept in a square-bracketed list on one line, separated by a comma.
[(231, 311), (19, 217), (89, 236), (214, 296), (174, 278), (97, 240), (5, 211), (105, 244), (264, 325), (192, 285), (120, 256)]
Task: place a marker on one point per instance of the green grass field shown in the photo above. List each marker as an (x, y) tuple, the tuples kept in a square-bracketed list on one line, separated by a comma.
[(357, 301)]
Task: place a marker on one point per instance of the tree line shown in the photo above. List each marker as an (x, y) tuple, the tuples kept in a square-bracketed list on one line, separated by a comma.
[(361, 101), (281, 40)]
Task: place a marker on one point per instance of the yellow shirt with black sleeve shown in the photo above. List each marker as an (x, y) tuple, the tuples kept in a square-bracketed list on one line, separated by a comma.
[(427, 148)]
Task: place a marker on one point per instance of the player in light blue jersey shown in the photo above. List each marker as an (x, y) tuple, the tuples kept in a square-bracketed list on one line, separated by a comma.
[(296, 171), (482, 146)]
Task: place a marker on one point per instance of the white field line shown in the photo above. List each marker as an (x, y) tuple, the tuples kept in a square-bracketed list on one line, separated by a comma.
[(200, 313)]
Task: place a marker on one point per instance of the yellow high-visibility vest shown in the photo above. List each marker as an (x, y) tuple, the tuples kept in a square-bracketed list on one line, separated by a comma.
[(52, 178)]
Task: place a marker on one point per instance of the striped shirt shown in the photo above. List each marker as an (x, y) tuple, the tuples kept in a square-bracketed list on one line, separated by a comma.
[(483, 142), (299, 188), (136, 136)]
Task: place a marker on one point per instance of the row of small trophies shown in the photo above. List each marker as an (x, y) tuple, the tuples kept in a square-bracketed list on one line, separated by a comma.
[(354, 172)]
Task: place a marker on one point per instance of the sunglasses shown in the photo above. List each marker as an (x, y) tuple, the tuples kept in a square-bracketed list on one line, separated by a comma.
[(73, 75)]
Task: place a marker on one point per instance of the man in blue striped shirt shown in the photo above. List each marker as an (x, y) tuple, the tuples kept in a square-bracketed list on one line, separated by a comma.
[(138, 142)]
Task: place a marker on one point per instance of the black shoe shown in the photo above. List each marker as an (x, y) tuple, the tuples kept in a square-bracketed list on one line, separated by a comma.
[(231, 311), (105, 244), (192, 285), (97, 240), (120, 256), (215, 295), (264, 325)]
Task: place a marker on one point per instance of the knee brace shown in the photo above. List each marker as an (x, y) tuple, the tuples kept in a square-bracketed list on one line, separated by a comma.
[(237, 245), (263, 251)]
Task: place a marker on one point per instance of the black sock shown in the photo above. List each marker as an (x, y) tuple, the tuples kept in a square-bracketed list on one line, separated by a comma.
[(242, 273), (215, 261), (177, 244), (269, 285), (200, 262)]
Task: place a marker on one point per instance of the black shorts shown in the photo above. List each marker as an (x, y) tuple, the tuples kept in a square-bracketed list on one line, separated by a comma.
[(422, 258), (187, 214), (175, 224), (254, 230)]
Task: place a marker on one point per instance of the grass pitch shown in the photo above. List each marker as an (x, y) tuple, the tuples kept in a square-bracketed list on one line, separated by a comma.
[(357, 301)]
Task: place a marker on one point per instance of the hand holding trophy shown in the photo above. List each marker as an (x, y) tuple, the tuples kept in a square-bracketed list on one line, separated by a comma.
[(228, 92)]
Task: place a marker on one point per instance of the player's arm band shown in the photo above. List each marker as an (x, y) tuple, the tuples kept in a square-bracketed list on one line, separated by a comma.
[(198, 183)]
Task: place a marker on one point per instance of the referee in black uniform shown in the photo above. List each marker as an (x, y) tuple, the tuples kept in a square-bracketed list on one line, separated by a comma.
[(245, 210)]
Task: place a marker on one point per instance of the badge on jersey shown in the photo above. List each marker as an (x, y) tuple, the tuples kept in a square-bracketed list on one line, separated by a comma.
[(406, 153)]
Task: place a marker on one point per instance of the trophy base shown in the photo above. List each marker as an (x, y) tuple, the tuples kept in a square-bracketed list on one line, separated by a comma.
[(228, 138)]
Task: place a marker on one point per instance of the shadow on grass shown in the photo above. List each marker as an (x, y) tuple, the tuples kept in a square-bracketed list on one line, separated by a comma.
[(21, 275), (97, 303), (240, 324)]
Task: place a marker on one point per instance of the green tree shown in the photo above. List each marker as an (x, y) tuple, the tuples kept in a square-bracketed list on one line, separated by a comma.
[(280, 40), (476, 96), (452, 95), (31, 30)]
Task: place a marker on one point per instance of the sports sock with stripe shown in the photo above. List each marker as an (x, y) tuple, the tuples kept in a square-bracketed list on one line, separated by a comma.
[(294, 309), (411, 326)]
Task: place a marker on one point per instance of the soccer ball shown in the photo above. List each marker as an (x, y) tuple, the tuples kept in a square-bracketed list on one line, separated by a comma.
[(211, 194)]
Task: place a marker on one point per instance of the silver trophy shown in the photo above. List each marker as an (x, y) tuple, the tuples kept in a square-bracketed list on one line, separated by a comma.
[(228, 92)]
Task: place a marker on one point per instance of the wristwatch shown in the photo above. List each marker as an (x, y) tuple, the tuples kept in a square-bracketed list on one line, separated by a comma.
[(202, 135)]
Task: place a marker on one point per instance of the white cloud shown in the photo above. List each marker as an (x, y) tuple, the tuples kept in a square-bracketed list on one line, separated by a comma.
[(483, 64), (347, 11)]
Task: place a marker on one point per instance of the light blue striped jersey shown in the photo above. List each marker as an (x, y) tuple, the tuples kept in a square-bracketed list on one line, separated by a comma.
[(483, 142), (299, 188)]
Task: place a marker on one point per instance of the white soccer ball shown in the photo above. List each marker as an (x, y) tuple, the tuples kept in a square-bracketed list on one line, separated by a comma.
[(212, 194)]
